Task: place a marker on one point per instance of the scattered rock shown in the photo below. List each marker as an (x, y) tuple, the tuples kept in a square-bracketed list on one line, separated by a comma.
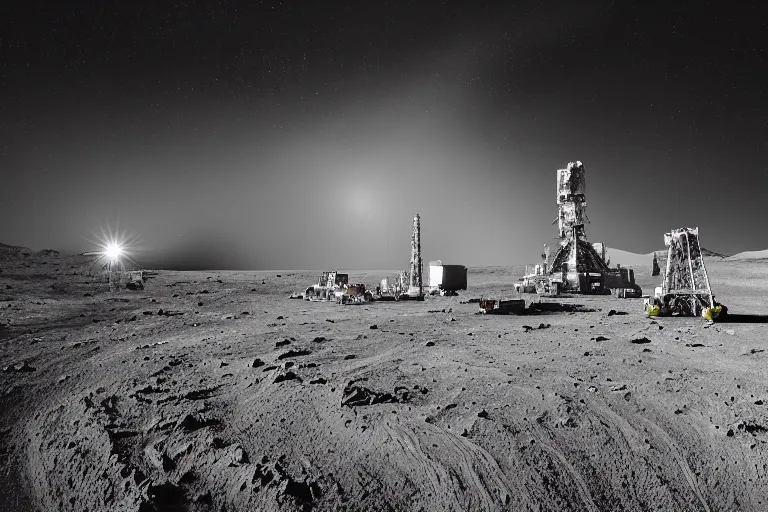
[(282, 343), (748, 427), (374, 326), (304, 494), (20, 368), (319, 380), (200, 394), (191, 422), (350, 356), (294, 353), (257, 362), (165, 496), (430, 344), (289, 375), (601, 338), (240, 456), (483, 414), (356, 396), (640, 341), (319, 339), (160, 461)]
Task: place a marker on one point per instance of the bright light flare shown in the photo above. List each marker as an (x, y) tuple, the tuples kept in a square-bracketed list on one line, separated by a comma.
[(113, 251)]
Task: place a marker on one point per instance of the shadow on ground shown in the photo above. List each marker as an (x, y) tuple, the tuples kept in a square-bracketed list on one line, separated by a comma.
[(743, 319)]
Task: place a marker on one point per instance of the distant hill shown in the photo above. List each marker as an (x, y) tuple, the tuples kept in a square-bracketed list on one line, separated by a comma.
[(628, 259), (10, 252), (631, 259), (750, 255), (711, 254), (14, 248)]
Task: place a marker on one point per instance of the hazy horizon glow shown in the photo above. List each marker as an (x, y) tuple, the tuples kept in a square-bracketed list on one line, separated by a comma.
[(307, 137)]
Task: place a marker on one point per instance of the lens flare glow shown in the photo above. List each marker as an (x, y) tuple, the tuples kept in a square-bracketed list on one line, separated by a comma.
[(113, 251)]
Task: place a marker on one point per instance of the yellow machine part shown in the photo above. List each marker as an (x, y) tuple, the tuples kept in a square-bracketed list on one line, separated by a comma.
[(653, 310), (711, 313)]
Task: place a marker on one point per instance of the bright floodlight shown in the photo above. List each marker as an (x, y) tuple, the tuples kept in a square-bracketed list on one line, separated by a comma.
[(113, 251)]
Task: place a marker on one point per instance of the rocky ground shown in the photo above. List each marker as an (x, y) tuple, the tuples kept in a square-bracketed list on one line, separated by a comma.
[(215, 391)]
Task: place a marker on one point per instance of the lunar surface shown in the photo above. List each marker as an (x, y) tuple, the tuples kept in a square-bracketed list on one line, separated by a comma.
[(215, 391)]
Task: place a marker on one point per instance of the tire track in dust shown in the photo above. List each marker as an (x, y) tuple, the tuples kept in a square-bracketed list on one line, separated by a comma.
[(629, 433), (676, 454), (581, 485), (469, 452), (464, 454)]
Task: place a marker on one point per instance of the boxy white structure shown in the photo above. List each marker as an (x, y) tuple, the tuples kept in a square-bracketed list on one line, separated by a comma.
[(447, 278)]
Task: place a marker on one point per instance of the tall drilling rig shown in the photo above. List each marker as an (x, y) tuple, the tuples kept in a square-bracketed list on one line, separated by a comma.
[(685, 289), (581, 266), (577, 266), (415, 284)]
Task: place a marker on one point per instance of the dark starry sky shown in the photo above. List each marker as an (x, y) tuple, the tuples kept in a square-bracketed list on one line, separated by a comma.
[(283, 135)]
